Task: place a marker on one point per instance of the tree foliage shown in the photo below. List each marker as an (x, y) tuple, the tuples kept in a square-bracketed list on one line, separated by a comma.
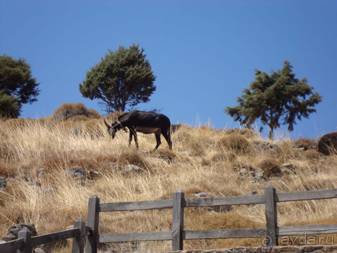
[(121, 79), (275, 99), (17, 86), (9, 106)]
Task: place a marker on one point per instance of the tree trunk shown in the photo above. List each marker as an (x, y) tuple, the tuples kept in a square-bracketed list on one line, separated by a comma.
[(271, 133)]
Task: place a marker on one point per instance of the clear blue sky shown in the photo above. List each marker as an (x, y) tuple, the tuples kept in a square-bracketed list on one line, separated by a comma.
[(203, 53)]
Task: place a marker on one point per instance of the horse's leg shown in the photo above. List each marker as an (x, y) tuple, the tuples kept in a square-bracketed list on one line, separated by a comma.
[(167, 135), (134, 136), (157, 134), (130, 137)]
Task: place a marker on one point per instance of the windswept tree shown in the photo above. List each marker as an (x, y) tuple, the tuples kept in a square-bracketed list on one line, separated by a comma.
[(121, 80), (275, 99), (17, 86)]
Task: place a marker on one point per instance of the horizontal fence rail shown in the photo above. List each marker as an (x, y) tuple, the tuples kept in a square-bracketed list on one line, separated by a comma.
[(308, 195), (224, 234), (130, 237), (12, 246), (308, 230), (57, 236), (219, 201), (177, 235), (225, 201), (134, 206)]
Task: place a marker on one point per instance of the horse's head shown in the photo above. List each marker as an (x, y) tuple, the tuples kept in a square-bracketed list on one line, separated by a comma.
[(113, 128)]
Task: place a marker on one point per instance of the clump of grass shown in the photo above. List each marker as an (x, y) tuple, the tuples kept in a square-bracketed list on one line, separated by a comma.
[(132, 157), (235, 143), (75, 111), (270, 167)]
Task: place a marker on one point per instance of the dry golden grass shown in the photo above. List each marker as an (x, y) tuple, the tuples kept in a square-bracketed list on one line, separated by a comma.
[(35, 153)]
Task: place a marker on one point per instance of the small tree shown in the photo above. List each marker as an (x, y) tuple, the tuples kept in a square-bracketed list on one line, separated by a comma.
[(121, 79), (17, 86), (276, 98)]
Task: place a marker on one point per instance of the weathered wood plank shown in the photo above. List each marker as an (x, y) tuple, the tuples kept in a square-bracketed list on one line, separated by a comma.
[(271, 216), (133, 206), (11, 246), (308, 230), (146, 236), (25, 234), (178, 221), (52, 237), (307, 195), (92, 223), (224, 233), (223, 201), (218, 201), (219, 234), (79, 240)]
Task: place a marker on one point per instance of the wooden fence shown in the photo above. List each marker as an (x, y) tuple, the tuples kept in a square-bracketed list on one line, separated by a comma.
[(89, 235), (26, 243), (178, 234)]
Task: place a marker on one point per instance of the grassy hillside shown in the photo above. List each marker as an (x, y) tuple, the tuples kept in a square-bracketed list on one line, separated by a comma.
[(36, 155)]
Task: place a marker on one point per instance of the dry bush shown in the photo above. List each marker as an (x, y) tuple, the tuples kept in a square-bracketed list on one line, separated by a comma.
[(270, 167), (235, 142), (75, 112)]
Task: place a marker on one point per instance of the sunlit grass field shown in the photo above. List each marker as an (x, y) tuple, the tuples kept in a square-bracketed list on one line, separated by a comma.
[(35, 155)]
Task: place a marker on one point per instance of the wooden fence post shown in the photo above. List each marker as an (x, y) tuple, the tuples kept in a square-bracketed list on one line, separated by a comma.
[(271, 216), (79, 240), (26, 235), (178, 221), (92, 223)]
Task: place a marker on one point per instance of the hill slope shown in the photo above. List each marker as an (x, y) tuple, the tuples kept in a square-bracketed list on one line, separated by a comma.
[(52, 168)]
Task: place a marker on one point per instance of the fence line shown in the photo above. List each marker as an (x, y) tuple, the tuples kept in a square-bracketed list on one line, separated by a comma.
[(86, 237), (25, 242), (178, 203)]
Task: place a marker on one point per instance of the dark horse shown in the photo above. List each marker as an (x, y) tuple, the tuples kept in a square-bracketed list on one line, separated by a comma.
[(144, 122)]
